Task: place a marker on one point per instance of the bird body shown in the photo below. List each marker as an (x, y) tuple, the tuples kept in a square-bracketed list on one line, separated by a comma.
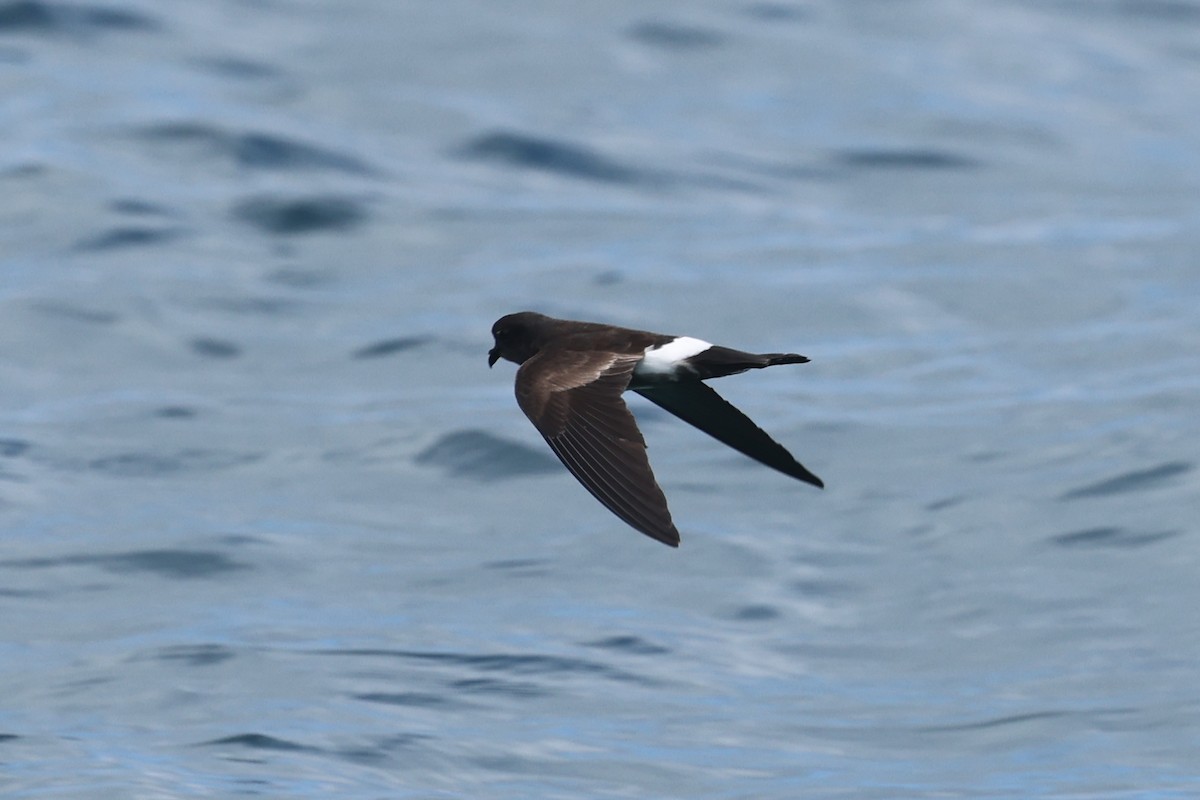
[(569, 384)]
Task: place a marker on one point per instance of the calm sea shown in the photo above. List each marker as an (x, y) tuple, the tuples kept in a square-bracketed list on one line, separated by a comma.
[(270, 527)]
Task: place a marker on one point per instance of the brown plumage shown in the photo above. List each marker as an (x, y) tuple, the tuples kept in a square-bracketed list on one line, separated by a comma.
[(570, 382)]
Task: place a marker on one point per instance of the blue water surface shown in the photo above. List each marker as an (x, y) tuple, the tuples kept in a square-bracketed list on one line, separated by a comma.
[(272, 528)]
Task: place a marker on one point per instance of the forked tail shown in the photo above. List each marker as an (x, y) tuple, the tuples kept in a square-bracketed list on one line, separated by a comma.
[(717, 361), (783, 358)]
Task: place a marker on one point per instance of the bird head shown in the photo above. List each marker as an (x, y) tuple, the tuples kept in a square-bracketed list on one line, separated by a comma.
[(516, 336)]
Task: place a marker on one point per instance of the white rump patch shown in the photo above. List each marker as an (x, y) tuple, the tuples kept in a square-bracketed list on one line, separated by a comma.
[(666, 359)]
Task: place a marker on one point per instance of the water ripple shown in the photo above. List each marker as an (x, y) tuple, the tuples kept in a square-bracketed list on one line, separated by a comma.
[(11, 448), (483, 457), (1110, 537), (511, 663), (496, 686), (32, 16), (297, 215), (152, 465), (547, 155), (196, 655), (389, 347), (260, 741), (126, 236), (1135, 481), (251, 149), (916, 159), (675, 35), (413, 699), (165, 563), (629, 644)]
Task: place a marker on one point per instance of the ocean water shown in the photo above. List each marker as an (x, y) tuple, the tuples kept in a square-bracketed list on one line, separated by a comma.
[(270, 527)]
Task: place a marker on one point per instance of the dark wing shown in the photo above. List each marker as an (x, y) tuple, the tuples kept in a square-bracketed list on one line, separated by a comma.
[(574, 400), (698, 404)]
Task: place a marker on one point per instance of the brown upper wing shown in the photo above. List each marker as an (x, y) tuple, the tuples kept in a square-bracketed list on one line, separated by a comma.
[(574, 400)]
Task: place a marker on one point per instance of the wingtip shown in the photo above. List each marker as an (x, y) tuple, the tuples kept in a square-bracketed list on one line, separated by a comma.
[(670, 537)]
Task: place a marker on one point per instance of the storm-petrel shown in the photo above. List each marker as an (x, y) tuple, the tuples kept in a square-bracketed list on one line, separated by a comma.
[(570, 383)]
